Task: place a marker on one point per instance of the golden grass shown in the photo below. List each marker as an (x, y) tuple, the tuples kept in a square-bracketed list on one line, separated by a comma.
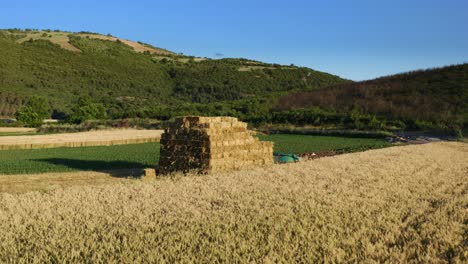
[(251, 68), (81, 139), (62, 39), (16, 129), (135, 45), (16, 184), (59, 38), (401, 204)]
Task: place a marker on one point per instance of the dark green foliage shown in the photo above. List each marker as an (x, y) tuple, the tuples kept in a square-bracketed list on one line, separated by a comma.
[(28, 116), (86, 109), (34, 112), (429, 99), (131, 84)]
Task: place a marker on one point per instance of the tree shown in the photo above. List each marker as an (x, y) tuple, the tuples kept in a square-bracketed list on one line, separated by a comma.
[(27, 116), (85, 109), (34, 112), (40, 106)]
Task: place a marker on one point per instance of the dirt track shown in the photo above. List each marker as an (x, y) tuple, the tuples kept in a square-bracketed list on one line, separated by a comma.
[(81, 139)]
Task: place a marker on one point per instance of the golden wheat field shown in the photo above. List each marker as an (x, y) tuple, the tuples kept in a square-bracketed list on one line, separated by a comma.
[(16, 129), (400, 204), (81, 139)]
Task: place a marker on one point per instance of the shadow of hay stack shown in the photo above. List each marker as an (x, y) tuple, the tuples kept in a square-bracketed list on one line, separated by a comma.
[(119, 169), (211, 144)]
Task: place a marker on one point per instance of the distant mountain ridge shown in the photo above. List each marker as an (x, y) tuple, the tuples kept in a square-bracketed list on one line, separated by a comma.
[(138, 79), (432, 95), (134, 79)]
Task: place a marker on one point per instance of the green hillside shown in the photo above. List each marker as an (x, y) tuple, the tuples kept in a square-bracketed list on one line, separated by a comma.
[(433, 98), (134, 79)]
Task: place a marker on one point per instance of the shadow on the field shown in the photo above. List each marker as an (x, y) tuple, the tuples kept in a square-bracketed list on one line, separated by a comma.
[(121, 169)]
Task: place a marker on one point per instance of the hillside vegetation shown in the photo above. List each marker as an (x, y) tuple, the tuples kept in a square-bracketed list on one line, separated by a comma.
[(420, 99), (133, 79)]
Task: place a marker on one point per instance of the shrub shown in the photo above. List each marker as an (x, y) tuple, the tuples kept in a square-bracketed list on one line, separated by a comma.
[(87, 110), (27, 116), (34, 112)]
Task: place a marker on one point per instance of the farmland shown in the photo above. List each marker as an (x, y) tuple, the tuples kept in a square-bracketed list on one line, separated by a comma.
[(27, 161), (298, 144), (400, 204), (75, 159), (80, 139)]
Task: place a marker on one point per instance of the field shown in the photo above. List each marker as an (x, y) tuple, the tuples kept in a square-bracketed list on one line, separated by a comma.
[(80, 139), (288, 143), (16, 130), (27, 161), (397, 205)]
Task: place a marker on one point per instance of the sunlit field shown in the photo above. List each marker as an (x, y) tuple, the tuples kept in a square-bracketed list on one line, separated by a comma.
[(397, 205), (147, 155)]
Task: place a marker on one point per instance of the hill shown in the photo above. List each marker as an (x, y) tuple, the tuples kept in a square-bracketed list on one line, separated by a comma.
[(134, 79), (433, 98)]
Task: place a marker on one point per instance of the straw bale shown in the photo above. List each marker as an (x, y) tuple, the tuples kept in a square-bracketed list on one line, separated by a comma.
[(208, 144)]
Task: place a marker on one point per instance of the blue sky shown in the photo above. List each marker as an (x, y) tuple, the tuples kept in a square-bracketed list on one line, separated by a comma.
[(356, 39)]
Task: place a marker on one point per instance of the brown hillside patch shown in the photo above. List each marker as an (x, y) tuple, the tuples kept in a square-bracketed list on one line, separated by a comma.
[(62, 39), (135, 45), (59, 38)]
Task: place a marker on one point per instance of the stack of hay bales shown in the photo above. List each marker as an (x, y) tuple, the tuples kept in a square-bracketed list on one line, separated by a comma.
[(211, 144)]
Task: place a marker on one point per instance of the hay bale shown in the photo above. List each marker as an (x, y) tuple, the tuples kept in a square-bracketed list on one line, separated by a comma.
[(211, 144), (149, 173)]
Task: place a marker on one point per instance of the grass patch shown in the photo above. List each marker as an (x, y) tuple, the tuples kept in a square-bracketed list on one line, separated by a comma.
[(5, 134), (298, 144), (30, 161), (101, 158)]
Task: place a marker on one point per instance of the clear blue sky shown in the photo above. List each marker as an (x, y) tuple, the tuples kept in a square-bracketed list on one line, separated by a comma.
[(356, 39)]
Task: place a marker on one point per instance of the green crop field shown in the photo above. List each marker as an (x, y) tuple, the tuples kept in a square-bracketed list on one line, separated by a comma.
[(147, 155), (288, 143), (74, 159)]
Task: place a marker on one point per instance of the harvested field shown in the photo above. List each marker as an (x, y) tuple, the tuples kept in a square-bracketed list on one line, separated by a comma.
[(400, 204), (81, 139), (16, 129)]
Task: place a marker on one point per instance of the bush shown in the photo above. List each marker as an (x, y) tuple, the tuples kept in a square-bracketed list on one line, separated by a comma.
[(34, 112), (29, 117), (87, 110)]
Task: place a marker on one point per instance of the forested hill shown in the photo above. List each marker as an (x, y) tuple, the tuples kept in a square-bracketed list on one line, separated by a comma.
[(436, 97), (134, 79)]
